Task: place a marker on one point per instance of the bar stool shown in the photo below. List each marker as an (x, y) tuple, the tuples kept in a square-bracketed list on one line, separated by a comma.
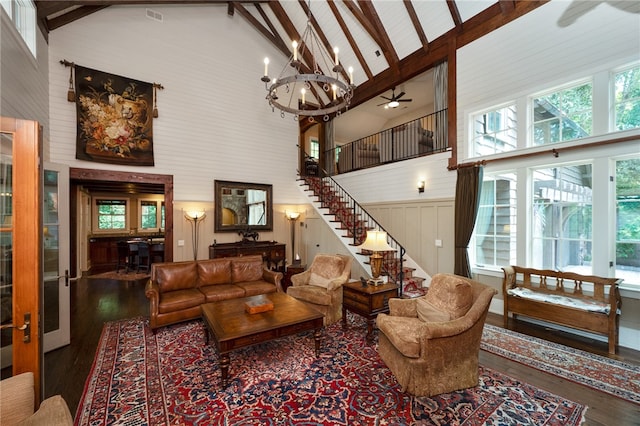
[(144, 257), (132, 255), (123, 256), (157, 252)]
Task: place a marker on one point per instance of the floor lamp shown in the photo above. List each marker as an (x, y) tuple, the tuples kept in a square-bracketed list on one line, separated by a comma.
[(293, 217), (194, 218), (376, 242)]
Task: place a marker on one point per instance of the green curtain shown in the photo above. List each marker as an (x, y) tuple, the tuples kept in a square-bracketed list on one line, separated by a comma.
[(468, 191)]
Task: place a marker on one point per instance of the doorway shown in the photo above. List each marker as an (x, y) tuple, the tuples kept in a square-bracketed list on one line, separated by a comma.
[(119, 182)]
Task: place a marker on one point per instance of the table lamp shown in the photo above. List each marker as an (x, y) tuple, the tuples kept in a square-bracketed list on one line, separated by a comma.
[(376, 242)]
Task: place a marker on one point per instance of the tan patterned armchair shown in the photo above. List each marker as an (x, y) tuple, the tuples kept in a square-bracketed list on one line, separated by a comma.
[(321, 285), (431, 343)]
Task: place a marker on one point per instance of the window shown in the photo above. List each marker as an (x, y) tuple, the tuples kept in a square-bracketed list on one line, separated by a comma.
[(148, 214), (112, 214), (627, 99), (495, 131), (23, 15), (563, 115), (495, 223), (628, 220), (162, 215), (561, 222), (314, 148)]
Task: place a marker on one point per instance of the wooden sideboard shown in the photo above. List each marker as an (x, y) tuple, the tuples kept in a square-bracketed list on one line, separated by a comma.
[(272, 252)]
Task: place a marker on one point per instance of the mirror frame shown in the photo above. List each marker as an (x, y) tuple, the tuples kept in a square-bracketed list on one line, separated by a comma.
[(219, 227)]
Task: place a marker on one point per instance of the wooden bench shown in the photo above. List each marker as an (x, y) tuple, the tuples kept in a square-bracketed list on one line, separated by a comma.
[(559, 298)]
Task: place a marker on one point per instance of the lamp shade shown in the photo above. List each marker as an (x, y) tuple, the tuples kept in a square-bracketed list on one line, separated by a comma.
[(195, 215), (376, 241)]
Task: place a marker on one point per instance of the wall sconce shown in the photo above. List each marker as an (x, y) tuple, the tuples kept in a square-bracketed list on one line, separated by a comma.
[(292, 217), (194, 217), (420, 186), (376, 242)]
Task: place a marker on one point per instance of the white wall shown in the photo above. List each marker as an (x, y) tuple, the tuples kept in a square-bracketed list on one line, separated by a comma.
[(213, 121)]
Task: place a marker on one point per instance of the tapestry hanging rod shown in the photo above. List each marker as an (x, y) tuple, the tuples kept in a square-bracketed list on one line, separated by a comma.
[(72, 65)]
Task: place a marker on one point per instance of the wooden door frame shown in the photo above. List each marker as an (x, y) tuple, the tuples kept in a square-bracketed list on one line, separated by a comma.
[(115, 176), (26, 245)]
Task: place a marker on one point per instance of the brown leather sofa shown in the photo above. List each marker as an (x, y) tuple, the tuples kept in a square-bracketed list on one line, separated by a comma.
[(177, 289)]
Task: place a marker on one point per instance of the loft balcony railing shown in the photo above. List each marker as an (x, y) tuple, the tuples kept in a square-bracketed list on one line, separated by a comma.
[(423, 136)]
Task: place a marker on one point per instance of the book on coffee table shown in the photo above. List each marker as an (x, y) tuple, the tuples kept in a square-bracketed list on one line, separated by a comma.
[(257, 306)]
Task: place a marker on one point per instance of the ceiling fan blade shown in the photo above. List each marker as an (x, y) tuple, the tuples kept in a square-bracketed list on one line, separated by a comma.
[(384, 103), (405, 100), (401, 94), (384, 97)]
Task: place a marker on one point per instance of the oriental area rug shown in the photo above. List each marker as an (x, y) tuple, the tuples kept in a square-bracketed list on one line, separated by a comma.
[(172, 377), (597, 372)]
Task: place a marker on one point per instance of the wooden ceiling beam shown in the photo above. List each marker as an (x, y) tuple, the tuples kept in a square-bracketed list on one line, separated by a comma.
[(389, 51), (270, 34), (75, 14), (416, 24), (455, 13), (350, 39)]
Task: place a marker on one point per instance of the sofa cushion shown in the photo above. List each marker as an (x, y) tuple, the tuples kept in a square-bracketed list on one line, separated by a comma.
[(450, 293), (214, 271), (249, 269), (177, 300), (175, 276), (402, 333), (429, 313), (252, 288), (216, 292)]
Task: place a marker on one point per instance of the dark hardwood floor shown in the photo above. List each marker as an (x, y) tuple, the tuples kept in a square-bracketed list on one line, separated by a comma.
[(95, 301)]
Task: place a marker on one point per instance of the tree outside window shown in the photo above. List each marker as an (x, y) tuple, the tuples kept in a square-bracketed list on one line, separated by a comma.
[(148, 214), (112, 214), (628, 220), (627, 98), (563, 115)]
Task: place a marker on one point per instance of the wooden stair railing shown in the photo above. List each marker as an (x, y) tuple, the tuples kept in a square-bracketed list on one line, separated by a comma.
[(356, 221)]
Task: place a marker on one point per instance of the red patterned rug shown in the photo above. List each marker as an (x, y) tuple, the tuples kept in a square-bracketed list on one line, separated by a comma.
[(139, 378), (604, 374)]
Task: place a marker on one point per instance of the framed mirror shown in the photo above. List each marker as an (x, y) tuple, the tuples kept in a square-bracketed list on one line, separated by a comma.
[(241, 206)]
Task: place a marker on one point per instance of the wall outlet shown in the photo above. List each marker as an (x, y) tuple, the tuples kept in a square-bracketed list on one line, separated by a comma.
[(438, 243), (180, 243)]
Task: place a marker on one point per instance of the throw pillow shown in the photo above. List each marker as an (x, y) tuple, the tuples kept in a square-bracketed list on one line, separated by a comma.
[(429, 313), (319, 280), (450, 293)]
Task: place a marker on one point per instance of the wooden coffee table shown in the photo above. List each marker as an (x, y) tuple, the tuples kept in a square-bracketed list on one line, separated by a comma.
[(233, 328)]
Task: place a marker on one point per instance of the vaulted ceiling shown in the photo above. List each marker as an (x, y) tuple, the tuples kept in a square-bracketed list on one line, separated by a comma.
[(387, 42)]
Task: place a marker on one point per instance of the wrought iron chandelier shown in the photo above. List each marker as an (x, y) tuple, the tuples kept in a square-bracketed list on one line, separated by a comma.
[(291, 91)]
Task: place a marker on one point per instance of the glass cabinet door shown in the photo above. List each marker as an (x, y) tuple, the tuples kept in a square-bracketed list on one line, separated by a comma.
[(6, 244)]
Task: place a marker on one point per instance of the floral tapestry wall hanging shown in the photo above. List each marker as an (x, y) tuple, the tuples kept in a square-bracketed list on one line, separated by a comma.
[(114, 118)]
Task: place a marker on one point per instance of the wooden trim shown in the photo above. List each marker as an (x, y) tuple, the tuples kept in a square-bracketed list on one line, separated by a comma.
[(555, 152), (26, 246)]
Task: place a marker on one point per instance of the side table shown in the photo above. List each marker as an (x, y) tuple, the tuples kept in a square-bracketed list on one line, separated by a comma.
[(291, 270), (367, 301)]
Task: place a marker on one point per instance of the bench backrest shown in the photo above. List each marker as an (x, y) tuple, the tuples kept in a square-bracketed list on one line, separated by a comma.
[(566, 283)]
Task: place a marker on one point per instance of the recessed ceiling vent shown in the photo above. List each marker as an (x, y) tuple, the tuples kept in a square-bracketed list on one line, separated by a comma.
[(152, 14)]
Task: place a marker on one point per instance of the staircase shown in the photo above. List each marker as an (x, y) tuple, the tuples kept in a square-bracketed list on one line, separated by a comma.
[(350, 221)]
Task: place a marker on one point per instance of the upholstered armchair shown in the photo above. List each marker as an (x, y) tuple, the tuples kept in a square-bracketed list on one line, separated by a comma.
[(431, 343), (17, 402), (321, 285)]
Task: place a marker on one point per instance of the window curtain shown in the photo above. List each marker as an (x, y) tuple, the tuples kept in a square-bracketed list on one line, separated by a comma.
[(440, 89), (329, 149), (468, 192)]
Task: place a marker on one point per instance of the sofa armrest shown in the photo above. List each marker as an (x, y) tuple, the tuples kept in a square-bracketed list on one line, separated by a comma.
[(403, 307), (152, 291), (53, 411), (273, 277)]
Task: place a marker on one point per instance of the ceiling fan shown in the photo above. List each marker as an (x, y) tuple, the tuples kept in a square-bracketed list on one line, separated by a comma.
[(394, 100)]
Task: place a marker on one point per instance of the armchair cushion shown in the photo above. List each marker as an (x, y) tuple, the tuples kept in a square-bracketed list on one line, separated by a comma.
[(429, 313), (327, 266), (451, 294), (52, 411), (402, 332), (318, 280)]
